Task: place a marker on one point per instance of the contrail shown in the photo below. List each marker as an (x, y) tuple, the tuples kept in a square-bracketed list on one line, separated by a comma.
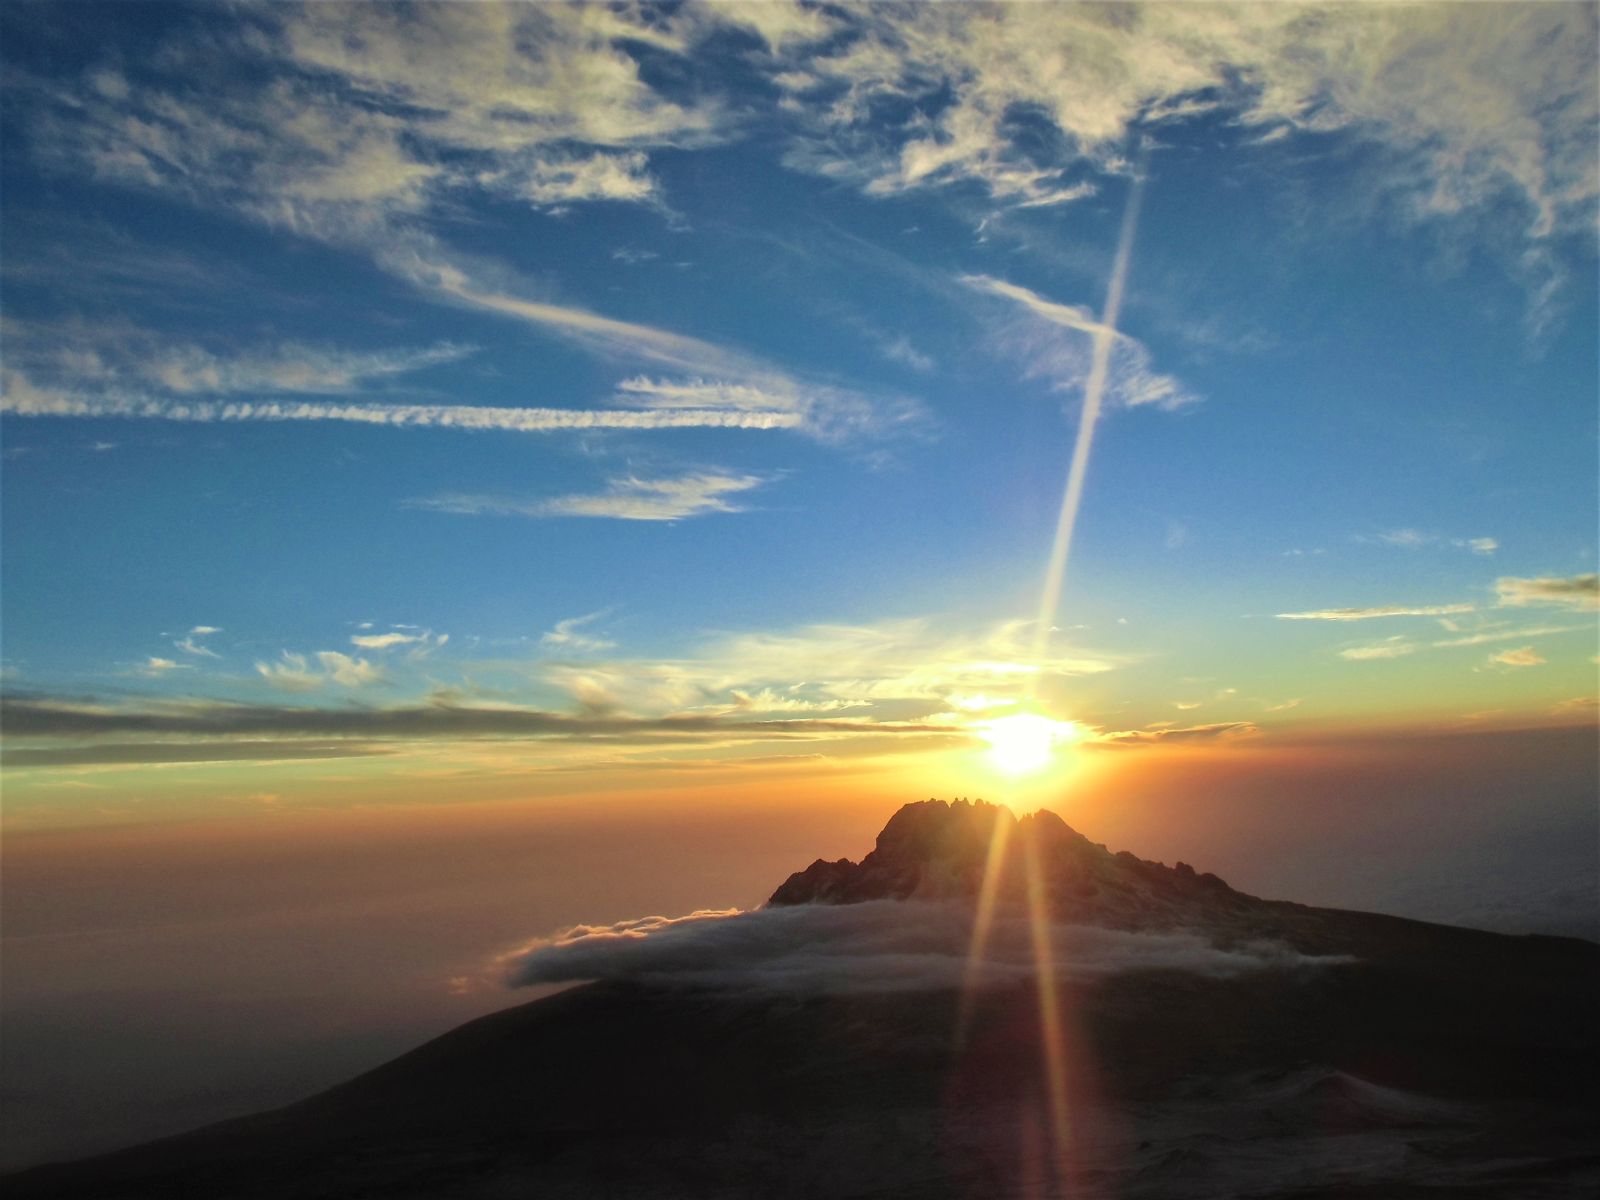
[(1105, 335), (34, 403)]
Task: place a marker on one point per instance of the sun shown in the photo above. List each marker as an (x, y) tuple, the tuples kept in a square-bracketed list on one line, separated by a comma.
[(1026, 742)]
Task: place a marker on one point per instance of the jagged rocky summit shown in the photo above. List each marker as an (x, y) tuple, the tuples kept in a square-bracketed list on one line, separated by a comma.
[(939, 850)]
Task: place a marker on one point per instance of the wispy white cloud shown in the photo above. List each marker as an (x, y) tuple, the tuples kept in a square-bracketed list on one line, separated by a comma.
[(568, 635), (1217, 732), (384, 641), (154, 667), (1394, 647), (1398, 647), (901, 350), (1406, 539), (1384, 610), (769, 701), (1415, 539), (421, 642), (1576, 591), (298, 673), (1486, 636), (191, 644), (1064, 360), (628, 499), (555, 180), (99, 354), (1525, 656)]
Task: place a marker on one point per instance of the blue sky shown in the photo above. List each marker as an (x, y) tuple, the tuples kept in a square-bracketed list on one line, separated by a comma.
[(710, 371)]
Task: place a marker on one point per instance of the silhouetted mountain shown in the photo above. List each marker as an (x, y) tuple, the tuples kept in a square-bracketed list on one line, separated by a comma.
[(1423, 1060), (937, 850)]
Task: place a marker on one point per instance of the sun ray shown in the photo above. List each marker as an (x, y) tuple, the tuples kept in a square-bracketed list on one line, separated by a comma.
[(1050, 1029), (983, 919), (1105, 336)]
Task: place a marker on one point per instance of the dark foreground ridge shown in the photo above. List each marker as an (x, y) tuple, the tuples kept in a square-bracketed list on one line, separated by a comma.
[(1428, 1061)]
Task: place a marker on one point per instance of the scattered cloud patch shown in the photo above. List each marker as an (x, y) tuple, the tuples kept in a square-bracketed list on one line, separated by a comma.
[(1405, 539), (628, 499), (1415, 539), (191, 643), (1056, 342), (155, 667), (568, 636), (421, 642), (384, 641), (1395, 647), (1526, 656), (1221, 731), (298, 673), (1577, 591)]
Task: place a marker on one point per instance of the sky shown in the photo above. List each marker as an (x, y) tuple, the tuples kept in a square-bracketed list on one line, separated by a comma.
[(581, 413), (548, 385)]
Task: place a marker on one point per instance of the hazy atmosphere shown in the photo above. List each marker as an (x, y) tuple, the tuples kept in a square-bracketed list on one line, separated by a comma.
[(472, 471)]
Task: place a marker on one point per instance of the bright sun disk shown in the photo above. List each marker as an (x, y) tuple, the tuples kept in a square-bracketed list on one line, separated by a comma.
[(1025, 742)]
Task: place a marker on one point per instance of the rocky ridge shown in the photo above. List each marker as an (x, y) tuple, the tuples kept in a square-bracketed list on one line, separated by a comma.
[(939, 850)]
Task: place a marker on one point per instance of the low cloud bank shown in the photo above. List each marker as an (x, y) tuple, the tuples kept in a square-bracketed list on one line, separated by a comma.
[(878, 946)]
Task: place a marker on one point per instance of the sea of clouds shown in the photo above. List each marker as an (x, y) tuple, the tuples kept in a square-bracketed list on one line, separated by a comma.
[(877, 946)]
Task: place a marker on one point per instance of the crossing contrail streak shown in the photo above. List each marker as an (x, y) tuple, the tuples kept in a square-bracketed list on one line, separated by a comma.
[(1105, 336)]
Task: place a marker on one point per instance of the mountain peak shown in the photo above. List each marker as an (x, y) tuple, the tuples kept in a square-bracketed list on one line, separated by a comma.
[(940, 850)]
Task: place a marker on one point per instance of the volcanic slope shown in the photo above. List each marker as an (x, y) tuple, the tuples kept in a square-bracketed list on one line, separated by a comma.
[(1381, 1057)]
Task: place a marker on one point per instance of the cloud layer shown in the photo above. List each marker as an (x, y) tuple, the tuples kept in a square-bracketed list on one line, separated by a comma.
[(877, 946)]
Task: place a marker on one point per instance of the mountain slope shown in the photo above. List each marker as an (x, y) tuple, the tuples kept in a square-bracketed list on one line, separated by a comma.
[(1429, 1058)]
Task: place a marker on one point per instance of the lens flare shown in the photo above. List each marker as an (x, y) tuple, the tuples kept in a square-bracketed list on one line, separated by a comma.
[(1026, 742), (1105, 337)]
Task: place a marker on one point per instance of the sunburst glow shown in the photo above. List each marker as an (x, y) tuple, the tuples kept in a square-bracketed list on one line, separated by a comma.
[(1026, 742)]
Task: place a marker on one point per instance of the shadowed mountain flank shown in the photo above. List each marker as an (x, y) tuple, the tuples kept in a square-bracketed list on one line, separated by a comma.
[(1368, 1056)]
